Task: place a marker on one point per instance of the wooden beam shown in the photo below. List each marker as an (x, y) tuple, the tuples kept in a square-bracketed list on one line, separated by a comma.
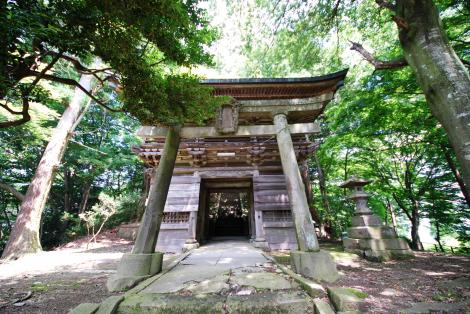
[(243, 131), (288, 105)]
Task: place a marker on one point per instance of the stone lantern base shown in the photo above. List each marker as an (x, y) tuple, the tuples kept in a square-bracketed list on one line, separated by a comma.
[(370, 239)]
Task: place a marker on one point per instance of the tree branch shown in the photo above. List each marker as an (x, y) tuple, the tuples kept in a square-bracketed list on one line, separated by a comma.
[(17, 194), (25, 118), (74, 83), (378, 64)]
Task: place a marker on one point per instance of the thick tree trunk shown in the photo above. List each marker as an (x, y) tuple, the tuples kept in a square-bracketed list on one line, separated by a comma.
[(25, 234), (152, 220), (440, 73)]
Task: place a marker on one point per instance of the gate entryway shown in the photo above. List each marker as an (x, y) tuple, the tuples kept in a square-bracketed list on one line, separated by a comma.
[(225, 209)]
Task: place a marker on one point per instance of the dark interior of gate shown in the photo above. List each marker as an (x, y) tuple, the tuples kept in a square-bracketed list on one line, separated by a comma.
[(228, 178), (225, 210)]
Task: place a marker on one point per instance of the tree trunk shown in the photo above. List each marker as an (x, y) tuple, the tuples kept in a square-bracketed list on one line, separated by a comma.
[(67, 197), (25, 234), (415, 239), (326, 228), (152, 220), (440, 73), (438, 236), (85, 196), (392, 215), (303, 167), (456, 173)]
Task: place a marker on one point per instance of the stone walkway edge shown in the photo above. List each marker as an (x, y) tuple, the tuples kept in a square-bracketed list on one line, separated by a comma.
[(104, 308)]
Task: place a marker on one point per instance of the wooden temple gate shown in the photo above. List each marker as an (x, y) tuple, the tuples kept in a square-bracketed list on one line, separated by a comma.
[(255, 144)]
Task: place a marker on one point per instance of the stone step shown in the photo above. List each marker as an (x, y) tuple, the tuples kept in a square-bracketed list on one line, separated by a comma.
[(267, 302)]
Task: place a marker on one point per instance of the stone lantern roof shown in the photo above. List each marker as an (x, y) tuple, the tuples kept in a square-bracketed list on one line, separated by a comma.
[(354, 181)]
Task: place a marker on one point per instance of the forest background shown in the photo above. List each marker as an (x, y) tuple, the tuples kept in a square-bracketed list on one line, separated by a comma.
[(379, 127)]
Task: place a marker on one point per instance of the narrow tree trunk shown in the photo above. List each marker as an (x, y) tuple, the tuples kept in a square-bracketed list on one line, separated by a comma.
[(438, 236), (152, 220), (303, 167), (456, 173), (392, 215), (440, 73), (85, 196), (415, 239), (326, 228), (145, 193), (25, 234), (67, 198)]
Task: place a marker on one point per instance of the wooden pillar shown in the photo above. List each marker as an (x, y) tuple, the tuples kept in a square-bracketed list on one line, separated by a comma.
[(304, 227), (152, 220)]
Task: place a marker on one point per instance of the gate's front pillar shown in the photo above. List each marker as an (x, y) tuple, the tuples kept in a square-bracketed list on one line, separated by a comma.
[(144, 261), (309, 260), (304, 227)]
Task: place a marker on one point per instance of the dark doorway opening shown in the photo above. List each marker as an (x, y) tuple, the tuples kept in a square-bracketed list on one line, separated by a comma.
[(228, 213), (225, 210)]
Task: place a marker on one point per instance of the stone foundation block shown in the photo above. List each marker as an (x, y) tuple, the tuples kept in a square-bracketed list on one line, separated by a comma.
[(366, 220), (370, 232), (134, 268), (261, 245), (375, 244), (316, 265)]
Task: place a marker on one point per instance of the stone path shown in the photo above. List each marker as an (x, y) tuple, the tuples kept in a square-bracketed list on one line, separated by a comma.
[(221, 277), (208, 261)]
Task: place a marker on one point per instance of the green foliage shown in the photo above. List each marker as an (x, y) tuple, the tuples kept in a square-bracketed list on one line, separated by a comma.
[(137, 41), (380, 127)]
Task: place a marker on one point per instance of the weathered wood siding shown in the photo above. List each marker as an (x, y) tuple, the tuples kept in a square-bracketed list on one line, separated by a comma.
[(270, 197), (183, 197)]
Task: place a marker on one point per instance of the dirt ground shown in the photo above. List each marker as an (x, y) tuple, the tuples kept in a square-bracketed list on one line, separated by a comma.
[(59, 280), (397, 285)]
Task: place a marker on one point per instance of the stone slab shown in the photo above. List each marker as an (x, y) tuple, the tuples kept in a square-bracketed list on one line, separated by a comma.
[(344, 299), (110, 305), (322, 307), (316, 265), (217, 284), (271, 281), (85, 308), (171, 304), (270, 302)]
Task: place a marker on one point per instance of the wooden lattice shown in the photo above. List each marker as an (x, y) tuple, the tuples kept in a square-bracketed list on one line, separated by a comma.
[(176, 218), (277, 216)]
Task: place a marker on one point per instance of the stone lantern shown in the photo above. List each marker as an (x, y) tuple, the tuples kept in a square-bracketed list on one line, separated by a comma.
[(367, 236)]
